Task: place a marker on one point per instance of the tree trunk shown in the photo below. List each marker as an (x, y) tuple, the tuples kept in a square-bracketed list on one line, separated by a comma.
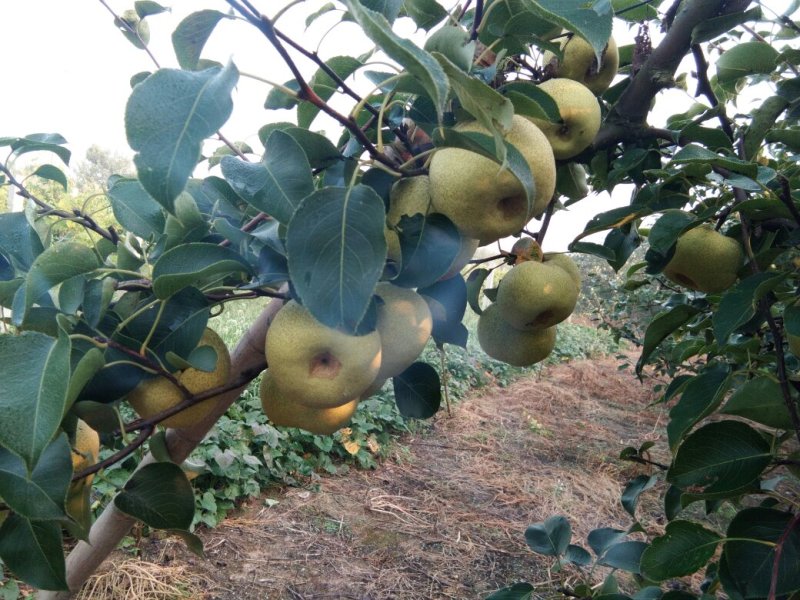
[(112, 525)]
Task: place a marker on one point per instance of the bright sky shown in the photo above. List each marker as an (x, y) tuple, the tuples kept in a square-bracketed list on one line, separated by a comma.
[(67, 70)]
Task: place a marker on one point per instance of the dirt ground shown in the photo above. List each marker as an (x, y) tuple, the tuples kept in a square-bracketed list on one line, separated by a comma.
[(443, 517)]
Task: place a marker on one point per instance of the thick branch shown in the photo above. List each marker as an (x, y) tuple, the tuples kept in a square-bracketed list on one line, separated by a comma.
[(112, 525)]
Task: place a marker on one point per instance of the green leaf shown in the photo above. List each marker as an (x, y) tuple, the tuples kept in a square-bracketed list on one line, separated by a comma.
[(751, 554), (701, 396), (40, 495), (739, 303), (336, 250), (18, 240), (52, 173), (429, 244), (418, 391), (692, 153), (390, 9), (550, 537), (146, 8), (490, 108), (760, 399), (635, 10), (167, 117), (763, 118), (416, 61), (425, 13), (135, 209), (33, 551), (667, 229), (625, 556), (475, 281), (589, 19), (196, 264), (58, 263), (42, 142), (632, 491), (747, 58), (603, 538), (447, 300), (159, 495), (663, 325), (720, 459), (711, 28), (33, 399), (577, 555), (518, 591), (325, 86), (454, 45), (278, 183), (531, 101), (191, 35), (684, 549)]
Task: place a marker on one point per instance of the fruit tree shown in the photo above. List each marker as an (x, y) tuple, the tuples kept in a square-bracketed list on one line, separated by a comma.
[(477, 130)]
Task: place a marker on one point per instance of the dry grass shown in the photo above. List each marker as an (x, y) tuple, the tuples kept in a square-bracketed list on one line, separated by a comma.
[(141, 580), (445, 518)]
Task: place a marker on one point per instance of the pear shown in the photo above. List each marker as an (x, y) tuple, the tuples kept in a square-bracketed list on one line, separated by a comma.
[(85, 453), (580, 117), (317, 365), (154, 395), (536, 295), (484, 200), (404, 324), (506, 343), (567, 264), (579, 63), (286, 411), (705, 260)]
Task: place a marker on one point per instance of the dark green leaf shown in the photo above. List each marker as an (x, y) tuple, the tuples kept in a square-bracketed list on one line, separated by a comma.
[(417, 391), (684, 549), (632, 491), (711, 28), (32, 550), (160, 495), (530, 101), (635, 10), (625, 556), (52, 173), (135, 209), (195, 264), (18, 240), (447, 300), (475, 281), (719, 459), (33, 399), (390, 9), (416, 61), (591, 20), (42, 142), (550, 537), (191, 35), (747, 58), (167, 118), (39, 496), (692, 153), (701, 396), (428, 245), (661, 327), (518, 591), (593, 249), (578, 555), (278, 183), (336, 251), (425, 13), (325, 86), (760, 399), (666, 230), (603, 538), (751, 554), (146, 8), (764, 117), (739, 303), (454, 44)]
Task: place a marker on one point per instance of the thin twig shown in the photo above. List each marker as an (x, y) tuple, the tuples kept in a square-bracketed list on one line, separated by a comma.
[(704, 88)]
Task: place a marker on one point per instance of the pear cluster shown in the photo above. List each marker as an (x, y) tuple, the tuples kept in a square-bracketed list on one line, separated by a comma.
[(519, 328), (317, 374)]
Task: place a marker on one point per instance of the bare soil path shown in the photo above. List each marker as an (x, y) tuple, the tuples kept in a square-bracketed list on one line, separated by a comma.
[(444, 516)]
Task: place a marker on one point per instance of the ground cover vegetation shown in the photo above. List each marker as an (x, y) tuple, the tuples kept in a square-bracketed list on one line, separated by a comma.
[(506, 112)]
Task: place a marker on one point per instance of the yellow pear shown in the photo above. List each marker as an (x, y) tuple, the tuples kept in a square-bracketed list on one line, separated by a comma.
[(317, 365), (484, 200), (567, 264), (154, 395), (535, 295), (705, 260), (404, 325), (580, 116), (85, 453), (286, 411), (579, 63), (506, 343)]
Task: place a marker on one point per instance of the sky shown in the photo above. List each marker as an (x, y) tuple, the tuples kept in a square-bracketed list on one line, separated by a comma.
[(67, 70)]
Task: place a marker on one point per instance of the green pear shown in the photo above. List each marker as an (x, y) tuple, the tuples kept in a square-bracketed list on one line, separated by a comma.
[(705, 260), (484, 200), (508, 344), (404, 325), (580, 117), (284, 410), (567, 264), (536, 295), (580, 64), (317, 365)]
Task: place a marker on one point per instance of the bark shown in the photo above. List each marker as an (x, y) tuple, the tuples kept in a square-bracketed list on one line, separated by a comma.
[(113, 525)]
